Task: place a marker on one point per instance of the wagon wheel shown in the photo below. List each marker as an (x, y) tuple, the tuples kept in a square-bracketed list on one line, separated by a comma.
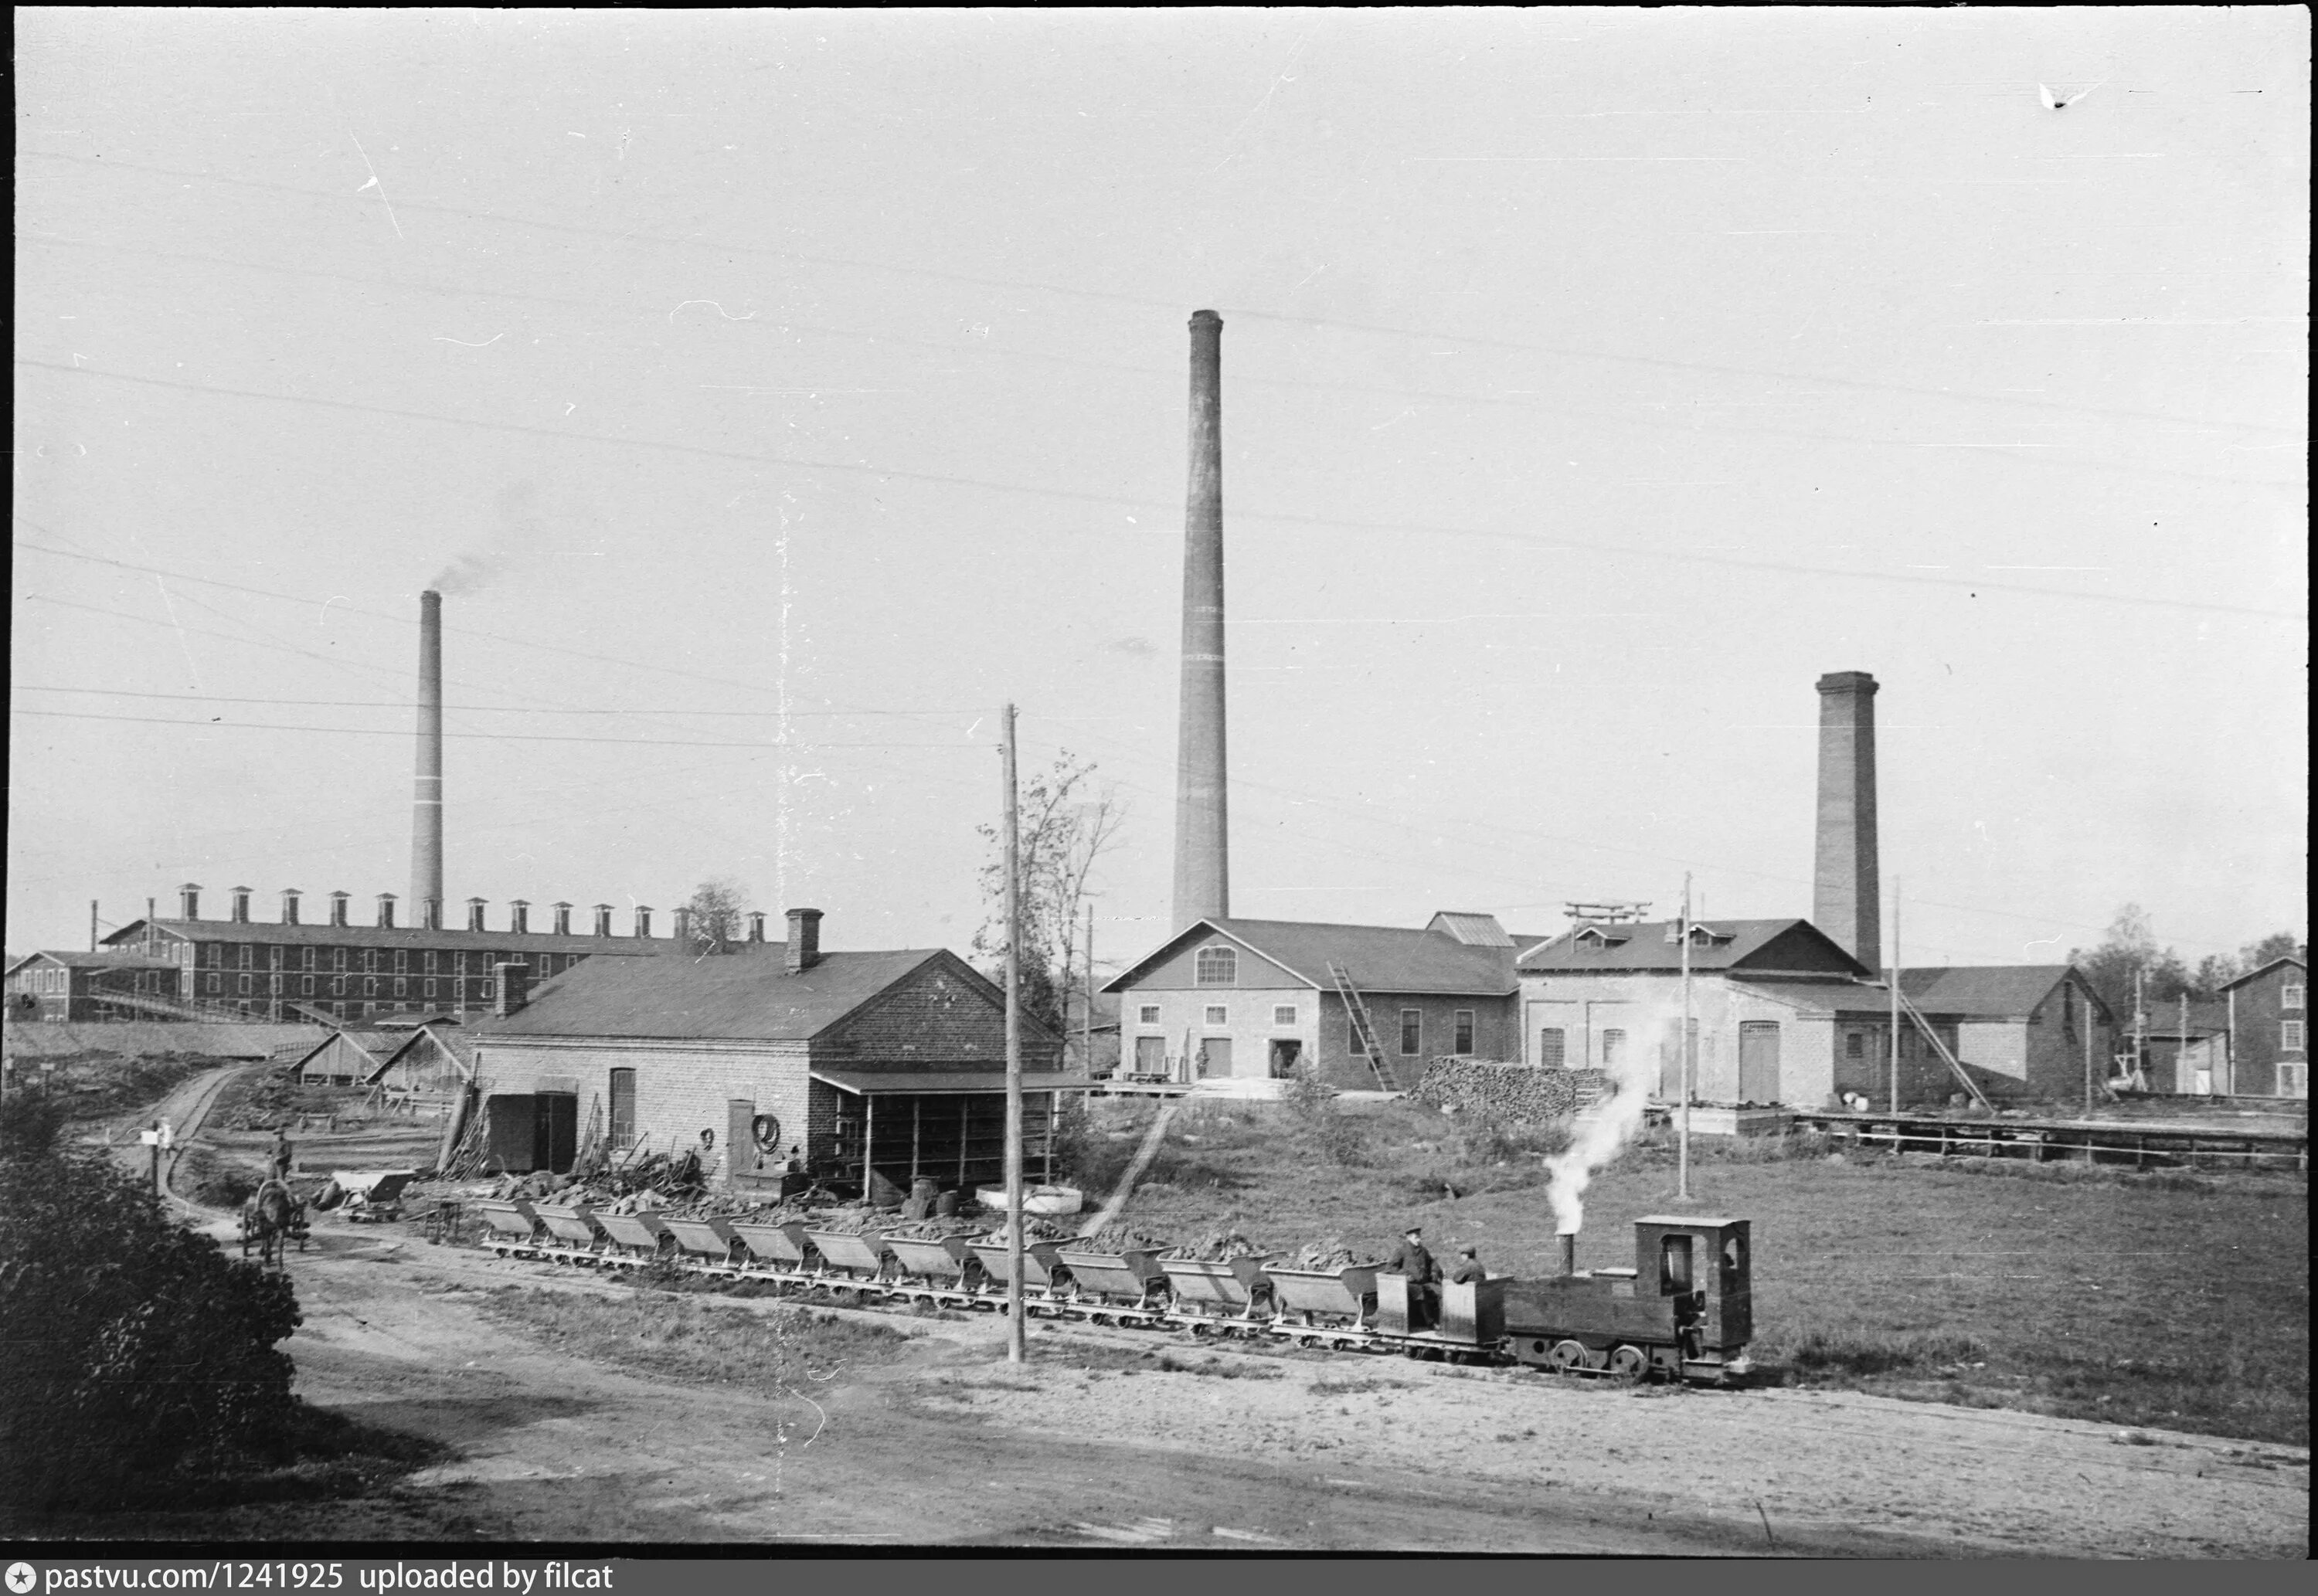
[(1201, 1330), (1568, 1357), (1630, 1365)]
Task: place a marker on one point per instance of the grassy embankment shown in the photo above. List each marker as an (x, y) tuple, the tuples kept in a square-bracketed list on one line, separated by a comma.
[(2174, 1300)]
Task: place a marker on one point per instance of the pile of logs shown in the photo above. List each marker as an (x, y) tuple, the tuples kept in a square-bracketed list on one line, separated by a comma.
[(1522, 1093)]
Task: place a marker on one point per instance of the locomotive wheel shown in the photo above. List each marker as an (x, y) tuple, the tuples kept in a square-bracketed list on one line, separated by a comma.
[(1568, 1357), (1630, 1366)]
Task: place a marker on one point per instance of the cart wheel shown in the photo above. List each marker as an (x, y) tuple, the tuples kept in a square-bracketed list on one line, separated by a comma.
[(842, 1294), (1343, 1344), (1630, 1365), (924, 1300), (1565, 1358), (1200, 1332), (1098, 1318)]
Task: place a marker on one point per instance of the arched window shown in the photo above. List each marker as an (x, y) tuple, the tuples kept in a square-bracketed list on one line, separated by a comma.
[(1218, 966)]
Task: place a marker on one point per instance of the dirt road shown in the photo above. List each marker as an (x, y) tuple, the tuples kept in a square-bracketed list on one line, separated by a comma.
[(949, 1445)]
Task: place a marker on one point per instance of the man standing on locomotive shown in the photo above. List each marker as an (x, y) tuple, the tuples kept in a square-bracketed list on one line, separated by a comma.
[(1424, 1276)]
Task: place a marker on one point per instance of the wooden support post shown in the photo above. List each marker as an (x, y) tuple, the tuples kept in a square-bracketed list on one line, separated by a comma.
[(917, 1112), (1054, 1103), (868, 1136), (965, 1130)]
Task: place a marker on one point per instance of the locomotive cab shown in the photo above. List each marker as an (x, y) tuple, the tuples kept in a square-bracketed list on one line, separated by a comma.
[(1704, 1266)]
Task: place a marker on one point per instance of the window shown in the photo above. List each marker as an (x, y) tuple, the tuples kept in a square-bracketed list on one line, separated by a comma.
[(486, 987), (273, 957), (430, 961), (2292, 1080), (1551, 1045), (1147, 1014), (546, 963), (1674, 1265), (305, 986), (402, 987), (1855, 1045), (306, 959), (1613, 1047), (217, 983), (248, 954), (459, 963), (2289, 1037), (245, 992), (430, 985), (338, 959), (1283, 1013), (1464, 1031), (2290, 997), (274, 985), (1217, 1014), (214, 953), (402, 961), (1412, 1031), (337, 986), (370, 986), (1218, 966)]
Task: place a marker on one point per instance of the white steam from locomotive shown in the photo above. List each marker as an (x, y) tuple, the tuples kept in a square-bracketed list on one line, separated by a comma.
[(1608, 1125)]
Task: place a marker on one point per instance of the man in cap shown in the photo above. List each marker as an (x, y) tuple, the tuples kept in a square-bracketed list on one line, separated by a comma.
[(1468, 1268), (1424, 1275)]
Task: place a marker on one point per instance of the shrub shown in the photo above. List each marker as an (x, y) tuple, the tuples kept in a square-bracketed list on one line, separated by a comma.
[(135, 1347)]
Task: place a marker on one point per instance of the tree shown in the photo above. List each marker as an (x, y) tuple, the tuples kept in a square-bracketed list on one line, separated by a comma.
[(2130, 948), (1068, 823), (2278, 945), (714, 915)]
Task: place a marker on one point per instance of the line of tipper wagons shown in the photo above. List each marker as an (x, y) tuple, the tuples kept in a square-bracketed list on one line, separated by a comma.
[(1680, 1313)]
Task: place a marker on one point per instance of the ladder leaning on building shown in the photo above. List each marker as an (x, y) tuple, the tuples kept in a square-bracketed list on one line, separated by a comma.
[(1364, 1026)]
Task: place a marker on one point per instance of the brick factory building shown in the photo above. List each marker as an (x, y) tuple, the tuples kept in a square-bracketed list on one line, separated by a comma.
[(238, 968), (107, 983), (885, 1061), (2268, 1027)]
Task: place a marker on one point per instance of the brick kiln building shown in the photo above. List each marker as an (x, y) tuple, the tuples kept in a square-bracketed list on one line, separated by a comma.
[(337, 971), (891, 1062)]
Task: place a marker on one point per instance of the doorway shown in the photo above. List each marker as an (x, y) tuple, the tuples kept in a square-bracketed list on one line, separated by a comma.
[(1215, 1057), (1285, 1052), (1758, 1061)]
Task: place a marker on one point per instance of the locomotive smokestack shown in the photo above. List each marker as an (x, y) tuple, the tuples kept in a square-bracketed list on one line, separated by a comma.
[(1202, 830), (1568, 1241), (1846, 899), (426, 787)]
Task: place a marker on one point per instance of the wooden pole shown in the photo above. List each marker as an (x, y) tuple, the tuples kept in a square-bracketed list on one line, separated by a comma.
[(1895, 995), (2089, 1061), (1017, 1349), (1086, 1019), (917, 1115), (1681, 1138), (2181, 1045), (965, 1126), (868, 1140)]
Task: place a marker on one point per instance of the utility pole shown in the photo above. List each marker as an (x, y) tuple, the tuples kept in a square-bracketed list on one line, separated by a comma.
[(2140, 1022), (1895, 1004), (91, 925), (1018, 1348), (1682, 1137), (2181, 1045), (1086, 1022), (2089, 1061)]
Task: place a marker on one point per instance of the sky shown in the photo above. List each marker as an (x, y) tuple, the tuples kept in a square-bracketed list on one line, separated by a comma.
[(777, 395)]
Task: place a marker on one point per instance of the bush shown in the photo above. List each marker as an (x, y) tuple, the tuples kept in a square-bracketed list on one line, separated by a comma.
[(136, 1348)]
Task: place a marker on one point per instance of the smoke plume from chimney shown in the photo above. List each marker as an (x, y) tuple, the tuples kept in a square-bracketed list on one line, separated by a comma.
[(426, 786), (1202, 828)]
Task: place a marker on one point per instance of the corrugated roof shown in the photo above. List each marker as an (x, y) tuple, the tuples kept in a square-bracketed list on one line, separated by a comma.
[(1646, 948), (745, 996), (207, 930), (1379, 958), (1981, 990)]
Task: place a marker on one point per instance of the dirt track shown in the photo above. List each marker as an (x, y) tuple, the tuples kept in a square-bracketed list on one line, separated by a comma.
[(949, 1445)]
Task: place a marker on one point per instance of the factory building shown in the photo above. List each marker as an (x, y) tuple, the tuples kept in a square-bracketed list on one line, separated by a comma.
[(193, 968), (2269, 1029), (868, 1069), (105, 984)]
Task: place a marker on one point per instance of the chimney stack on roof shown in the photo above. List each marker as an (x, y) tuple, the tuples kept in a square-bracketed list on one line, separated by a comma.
[(755, 925), (1847, 895), (603, 919), (1202, 826), (562, 918), (644, 920), (337, 908), (289, 906), (475, 907), (189, 900), (386, 911), (514, 990), (682, 929), (519, 917), (805, 939), (241, 905)]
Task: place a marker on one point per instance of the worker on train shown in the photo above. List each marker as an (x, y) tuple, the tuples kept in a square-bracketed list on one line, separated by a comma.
[(1424, 1275), (1468, 1270)]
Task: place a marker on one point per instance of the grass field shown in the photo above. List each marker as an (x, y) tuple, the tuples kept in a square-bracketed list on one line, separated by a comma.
[(687, 1339), (2171, 1300)]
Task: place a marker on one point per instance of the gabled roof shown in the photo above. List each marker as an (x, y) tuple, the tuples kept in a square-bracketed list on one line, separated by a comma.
[(2289, 959), (1985, 992), (1733, 944), (748, 995), (1379, 958), (376, 1044), (1471, 929), (103, 958), (462, 1049), (305, 934)]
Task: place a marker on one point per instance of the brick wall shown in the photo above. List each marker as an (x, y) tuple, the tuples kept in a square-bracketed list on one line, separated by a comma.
[(941, 1013)]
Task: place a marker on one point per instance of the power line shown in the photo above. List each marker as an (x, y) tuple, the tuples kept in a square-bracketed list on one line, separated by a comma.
[(747, 714), (642, 742), (1784, 568), (1111, 296)]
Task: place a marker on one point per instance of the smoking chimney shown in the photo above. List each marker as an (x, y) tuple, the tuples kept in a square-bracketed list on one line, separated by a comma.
[(1847, 901), (426, 788), (1202, 828)]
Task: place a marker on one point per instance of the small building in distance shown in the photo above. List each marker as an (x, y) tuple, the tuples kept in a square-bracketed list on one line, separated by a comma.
[(61, 985), (343, 1058), (2023, 1030), (1253, 999), (2185, 1047), (2267, 1013), (870, 1069)]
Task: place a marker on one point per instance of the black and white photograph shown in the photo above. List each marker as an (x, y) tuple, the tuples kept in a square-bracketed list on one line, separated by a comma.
[(1243, 785)]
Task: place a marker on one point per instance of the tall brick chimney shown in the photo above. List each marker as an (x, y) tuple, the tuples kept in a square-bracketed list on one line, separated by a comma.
[(1846, 897), (805, 939), (426, 786), (1202, 820)]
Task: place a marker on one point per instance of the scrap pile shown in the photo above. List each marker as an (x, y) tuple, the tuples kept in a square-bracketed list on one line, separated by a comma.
[(1120, 1238)]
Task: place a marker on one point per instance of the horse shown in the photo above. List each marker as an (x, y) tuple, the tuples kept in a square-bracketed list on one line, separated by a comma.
[(270, 1217)]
